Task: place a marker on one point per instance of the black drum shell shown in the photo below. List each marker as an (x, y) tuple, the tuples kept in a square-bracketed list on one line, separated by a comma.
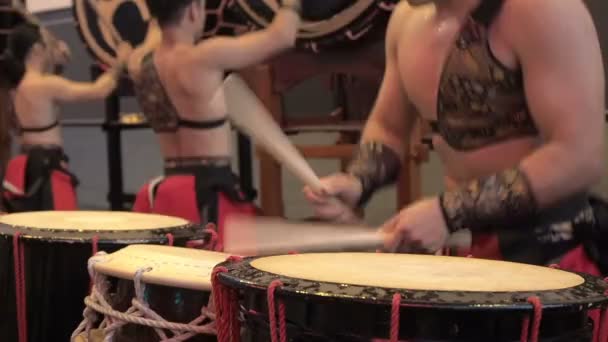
[(340, 312), (173, 304), (57, 279), (370, 26)]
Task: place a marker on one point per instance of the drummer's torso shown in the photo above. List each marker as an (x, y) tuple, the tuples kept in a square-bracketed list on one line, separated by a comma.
[(35, 109), (430, 58), (190, 90)]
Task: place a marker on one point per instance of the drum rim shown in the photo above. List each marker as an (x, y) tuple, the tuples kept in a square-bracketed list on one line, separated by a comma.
[(588, 295), (103, 236), (103, 265)]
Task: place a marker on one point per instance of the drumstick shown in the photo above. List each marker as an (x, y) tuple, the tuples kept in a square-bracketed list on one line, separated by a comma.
[(265, 236), (248, 113), (248, 236)]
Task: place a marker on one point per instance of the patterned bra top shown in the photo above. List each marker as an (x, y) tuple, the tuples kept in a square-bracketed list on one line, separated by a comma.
[(480, 101), (157, 106)]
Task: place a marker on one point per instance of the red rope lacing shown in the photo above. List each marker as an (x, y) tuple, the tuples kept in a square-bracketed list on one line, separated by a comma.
[(538, 315), (201, 244), (282, 332), (226, 307), (95, 247), (94, 250), (170, 239), (395, 318), (219, 298), (20, 293), (213, 237)]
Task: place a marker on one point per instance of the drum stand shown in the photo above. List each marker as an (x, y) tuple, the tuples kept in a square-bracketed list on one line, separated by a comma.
[(273, 80)]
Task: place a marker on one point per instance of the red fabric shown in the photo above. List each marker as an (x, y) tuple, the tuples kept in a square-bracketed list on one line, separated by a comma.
[(15, 174), (175, 196), (64, 194)]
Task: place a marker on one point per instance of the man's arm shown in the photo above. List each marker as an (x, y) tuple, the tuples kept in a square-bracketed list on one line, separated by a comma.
[(557, 46), (388, 128), (62, 89), (233, 53)]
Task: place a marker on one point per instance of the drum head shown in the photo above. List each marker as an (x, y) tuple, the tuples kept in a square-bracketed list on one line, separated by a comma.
[(131, 18), (91, 220), (104, 225), (168, 266), (449, 281), (326, 24)]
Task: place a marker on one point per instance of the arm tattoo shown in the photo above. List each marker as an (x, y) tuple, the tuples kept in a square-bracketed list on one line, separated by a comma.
[(503, 200), (375, 165)]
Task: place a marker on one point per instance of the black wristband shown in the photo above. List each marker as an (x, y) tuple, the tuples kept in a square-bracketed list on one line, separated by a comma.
[(375, 165), (501, 201)]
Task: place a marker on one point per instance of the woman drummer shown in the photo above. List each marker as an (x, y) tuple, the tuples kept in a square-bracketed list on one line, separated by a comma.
[(38, 178)]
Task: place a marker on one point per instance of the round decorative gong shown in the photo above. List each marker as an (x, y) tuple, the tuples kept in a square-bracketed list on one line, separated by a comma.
[(327, 24), (132, 20)]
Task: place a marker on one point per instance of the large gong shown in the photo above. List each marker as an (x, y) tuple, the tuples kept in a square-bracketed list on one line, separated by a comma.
[(132, 20), (327, 24)]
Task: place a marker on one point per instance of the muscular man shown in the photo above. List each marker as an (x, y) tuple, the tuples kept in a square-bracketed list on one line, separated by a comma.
[(175, 85), (514, 90), (38, 179)]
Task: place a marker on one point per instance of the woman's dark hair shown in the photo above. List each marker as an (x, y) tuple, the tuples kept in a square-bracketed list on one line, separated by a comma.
[(18, 46), (167, 12)]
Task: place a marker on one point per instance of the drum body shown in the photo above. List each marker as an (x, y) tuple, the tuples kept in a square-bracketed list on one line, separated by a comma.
[(328, 297), (328, 24), (173, 282), (55, 247), (132, 20)]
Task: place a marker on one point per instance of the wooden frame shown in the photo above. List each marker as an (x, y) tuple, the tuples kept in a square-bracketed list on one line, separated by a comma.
[(272, 80)]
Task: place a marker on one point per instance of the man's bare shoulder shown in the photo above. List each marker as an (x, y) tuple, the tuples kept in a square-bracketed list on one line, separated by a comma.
[(538, 18), (37, 85), (402, 12)]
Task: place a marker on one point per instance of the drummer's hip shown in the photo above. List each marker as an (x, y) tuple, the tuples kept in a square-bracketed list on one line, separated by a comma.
[(568, 237)]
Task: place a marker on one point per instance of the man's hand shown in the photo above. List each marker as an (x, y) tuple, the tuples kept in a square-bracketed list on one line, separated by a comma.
[(62, 53), (295, 4), (340, 185), (419, 228), (123, 52)]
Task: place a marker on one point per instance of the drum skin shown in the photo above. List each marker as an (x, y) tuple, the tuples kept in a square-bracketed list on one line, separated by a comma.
[(56, 275), (321, 311), (327, 25), (132, 19)]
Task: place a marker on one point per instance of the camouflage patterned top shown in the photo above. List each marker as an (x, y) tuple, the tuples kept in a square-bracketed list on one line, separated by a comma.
[(480, 101), (157, 106)]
